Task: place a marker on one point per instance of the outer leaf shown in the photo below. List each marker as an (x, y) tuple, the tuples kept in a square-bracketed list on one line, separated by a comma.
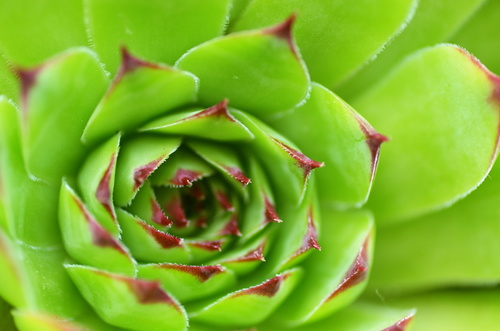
[(479, 32), (48, 27), (158, 30), (344, 32), (127, 302), (337, 275), (261, 63), (58, 99), (6, 321), (11, 277), (249, 306), (27, 321), (9, 86), (140, 92), (350, 165), (457, 310), (454, 247), (434, 21), (445, 125)]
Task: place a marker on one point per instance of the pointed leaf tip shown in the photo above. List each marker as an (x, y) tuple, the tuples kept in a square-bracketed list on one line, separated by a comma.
[(302, 160), (103, 191), (219, 109), (237, 174), (284, 31), (27, 78), (269, 288), (164, 239), (232, 227), (401, 325), (373, 139), (185, 177), (210, 245), (142, 173), (129, 63), (270, 213), (203, 273), (157, 214)]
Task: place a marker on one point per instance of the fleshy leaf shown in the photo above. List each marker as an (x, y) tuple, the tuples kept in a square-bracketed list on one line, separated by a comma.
[(213, 123), (434, 21), (140, 92), (27, 321), (249, 306), (350, 166), (188, 283), (127, 302), (334, 36), (47, 28), (160, 30), (86, 240), (146, 206), (459, 248), (57, 100), (9, 86), (96, 180), (149, 244), (11, 277), (138, 158), (337, 275), (446, 126), (261, 63)]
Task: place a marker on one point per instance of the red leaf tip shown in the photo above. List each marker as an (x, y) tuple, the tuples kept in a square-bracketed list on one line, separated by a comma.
[(284, 31), (103, 191), (27, 78), (142, 173), (218, 110), (237, 174), (211, 245), (270, 212), (185, 177), (268, 289), (400, 325), (232, 227), (148, 292), (130, 62), (302, 160), (203, 273)]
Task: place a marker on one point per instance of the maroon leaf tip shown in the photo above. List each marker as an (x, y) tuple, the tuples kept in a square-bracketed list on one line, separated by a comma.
[(148, 292), (203, 273), (254, 255), (218, 110), (373, 140), (310, 240), (305, 163), (270, 212), (165, 240), (130, 62), (157, 214), (27, 78), (400, 325), (237, 174), (176, 212), (211, 245), (268, 289), (100, 237), (356, 273), (185, 177), (103, 192), (223, 201), (284, 31), (142, 173), (232, 227)]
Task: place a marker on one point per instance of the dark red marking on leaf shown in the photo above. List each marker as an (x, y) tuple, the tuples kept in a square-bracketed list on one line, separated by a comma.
[(373, 140), (176, 212), (400, 325), (157, 214), (185, 177), (142, 173), (27, 78), (103, 192), (237, 174), (201, 222), (284, 31), (218, 110), (148, 292), (254, 255), (197, 192), (223, 201), (311, 238), (305, 163), (100, 237), (356, 273), (203, 273), (268, 289), (270, 212), (211, 245), (165, 240), (232, 227), (130, 63)]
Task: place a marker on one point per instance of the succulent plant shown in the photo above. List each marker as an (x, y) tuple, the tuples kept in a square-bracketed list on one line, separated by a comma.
[(167, 165)]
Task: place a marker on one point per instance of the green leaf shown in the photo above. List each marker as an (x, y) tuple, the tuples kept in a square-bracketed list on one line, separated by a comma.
[(9, 85), (11, 277), (96, 181), (334, 36), (240, 66), (139, 157), (249, 306), (459, 248), (146, 206), (214, 123), (58, 99), (350, 166), (434, 21), (189, 283), (337, 275), (33, 30), (477, 35), (86, 240), (140, 92), (160, 30), (6, 321), (456, 309), (127, 302), (28, 320), (440, 110)]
